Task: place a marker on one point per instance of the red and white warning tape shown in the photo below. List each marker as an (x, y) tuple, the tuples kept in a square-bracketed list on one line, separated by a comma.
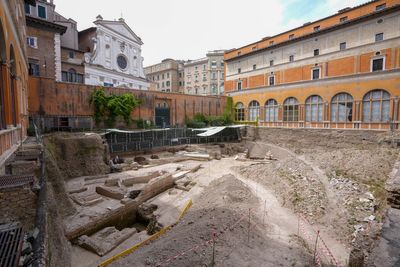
[(310, 241), (205, 243), (324, 247)]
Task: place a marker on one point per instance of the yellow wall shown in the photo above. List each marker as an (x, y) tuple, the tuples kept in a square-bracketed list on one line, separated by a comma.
[(327, 91), (14, 39)]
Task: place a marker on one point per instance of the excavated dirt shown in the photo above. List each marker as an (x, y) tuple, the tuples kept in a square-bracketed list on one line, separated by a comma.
[(353, 167), (334, 179), (295, 184), (79, 154), (66, 156), (222, 209)]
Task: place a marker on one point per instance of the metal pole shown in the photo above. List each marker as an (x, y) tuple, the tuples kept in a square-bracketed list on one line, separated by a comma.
[(315, 248), (213, 252), (298, 225), (265, 204), (248, 231)]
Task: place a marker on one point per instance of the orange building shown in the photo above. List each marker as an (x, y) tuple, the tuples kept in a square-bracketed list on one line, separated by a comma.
[(342, 71), (13, 77)]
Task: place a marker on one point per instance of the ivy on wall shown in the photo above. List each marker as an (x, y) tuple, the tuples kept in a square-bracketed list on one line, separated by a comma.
[(228, 111), (108, 108)]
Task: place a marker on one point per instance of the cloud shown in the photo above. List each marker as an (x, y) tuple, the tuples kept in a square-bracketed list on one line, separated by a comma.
[(187, 29), (336, 5)]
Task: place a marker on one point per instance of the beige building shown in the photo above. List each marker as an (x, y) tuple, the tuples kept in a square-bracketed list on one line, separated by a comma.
[(167, 76), (205, 76)]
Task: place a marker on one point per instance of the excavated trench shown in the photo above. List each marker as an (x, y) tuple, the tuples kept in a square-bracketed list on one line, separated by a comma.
[(128, 209), (101, 209)]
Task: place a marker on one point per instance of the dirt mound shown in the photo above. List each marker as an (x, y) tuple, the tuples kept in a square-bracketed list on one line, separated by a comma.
[(79, 154), (295, 185), (299, 139), (357, 165), (68, 156), (224, 204)]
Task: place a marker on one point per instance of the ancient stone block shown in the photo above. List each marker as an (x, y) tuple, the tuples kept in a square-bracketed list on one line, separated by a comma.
[(105, 240), (22, 167), (110, 192), (140, 179), (156, 186), (88, 200), (113, 182)]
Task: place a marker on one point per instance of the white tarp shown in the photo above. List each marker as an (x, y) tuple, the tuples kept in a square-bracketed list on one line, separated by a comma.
[(134, 131), (206, 131), (211, 131)]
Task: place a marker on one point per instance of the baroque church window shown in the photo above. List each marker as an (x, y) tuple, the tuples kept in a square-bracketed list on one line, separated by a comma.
[(122, 62)]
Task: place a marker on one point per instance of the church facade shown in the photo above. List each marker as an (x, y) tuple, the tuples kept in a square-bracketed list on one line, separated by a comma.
[(112, 55)]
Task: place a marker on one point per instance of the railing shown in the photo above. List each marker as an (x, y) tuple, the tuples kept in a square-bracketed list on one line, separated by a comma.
[(9, 138), (356, 125), (39, 245)]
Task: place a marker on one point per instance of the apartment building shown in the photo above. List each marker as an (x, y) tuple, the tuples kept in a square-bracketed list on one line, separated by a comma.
[(342, 71), (166, 76), (43, 40), (72, 67), (205, 76), (196, 77)]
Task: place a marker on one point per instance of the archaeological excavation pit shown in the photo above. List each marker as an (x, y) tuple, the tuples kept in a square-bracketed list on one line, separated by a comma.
[(269, 192)]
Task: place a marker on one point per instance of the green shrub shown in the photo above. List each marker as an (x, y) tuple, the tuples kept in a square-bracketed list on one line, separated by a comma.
[(108, 108), (199, 117), (216, 121), (201, 121), (196, 124), (144, 124), (30, 131)]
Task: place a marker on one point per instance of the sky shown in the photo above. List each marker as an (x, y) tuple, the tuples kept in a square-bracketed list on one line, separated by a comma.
[(187, 29)]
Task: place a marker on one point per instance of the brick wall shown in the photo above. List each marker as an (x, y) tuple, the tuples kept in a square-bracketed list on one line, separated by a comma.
[(18, 204), (76, 63), (50, 98), (44, 54)]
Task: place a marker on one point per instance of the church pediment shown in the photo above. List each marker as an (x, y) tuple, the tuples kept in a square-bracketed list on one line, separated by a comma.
[(120, 27)]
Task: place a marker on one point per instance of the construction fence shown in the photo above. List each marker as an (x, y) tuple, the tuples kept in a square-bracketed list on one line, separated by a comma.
[(129, 141)]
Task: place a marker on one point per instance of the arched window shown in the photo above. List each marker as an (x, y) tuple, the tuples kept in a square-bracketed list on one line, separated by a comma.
[(291, 109), (254, 110), (271, 110), (71, 75), (376, 106), (13, 86), (342, 108), (239, 112), (314, 109)]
